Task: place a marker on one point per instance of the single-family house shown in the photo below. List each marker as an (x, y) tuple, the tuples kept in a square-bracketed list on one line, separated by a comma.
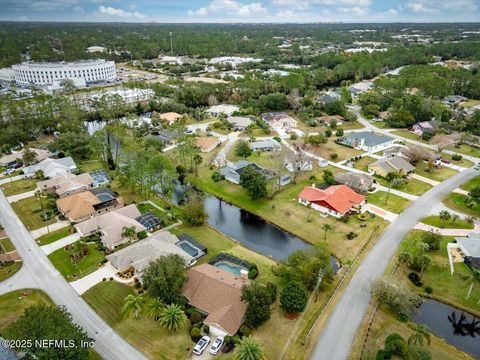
[(222, 109), (52, 167), (83, 205), (16, 156), (265, 145), (328, 97), (297, 163), (336, 200), (207, 144), (233, 172), (168, 136), (396, 164), (239, 123), (466, 249), (111, 224), (330, 119), (66, 184), (454, 99), (359, 88), (358, 182), (367, 141), (218, 293), (279, 120), (382, 116), (171, 117), (140, 254), (424, 127), (284, 180)]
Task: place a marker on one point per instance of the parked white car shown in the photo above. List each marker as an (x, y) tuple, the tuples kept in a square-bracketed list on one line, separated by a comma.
[(216, 346), (8, 171), (201, 345)]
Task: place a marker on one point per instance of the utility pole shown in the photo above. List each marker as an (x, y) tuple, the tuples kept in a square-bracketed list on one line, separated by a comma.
[(170, 34)]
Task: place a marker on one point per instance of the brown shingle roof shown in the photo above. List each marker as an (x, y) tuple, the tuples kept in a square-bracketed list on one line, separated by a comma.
[(217, 292), (79, 205)]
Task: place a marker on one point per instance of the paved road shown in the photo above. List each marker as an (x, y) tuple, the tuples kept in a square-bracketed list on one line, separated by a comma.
[(342, 325), (38, 272)]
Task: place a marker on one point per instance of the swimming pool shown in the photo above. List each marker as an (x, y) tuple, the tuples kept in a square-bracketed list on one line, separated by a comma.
[(189, 249), (228, 267)]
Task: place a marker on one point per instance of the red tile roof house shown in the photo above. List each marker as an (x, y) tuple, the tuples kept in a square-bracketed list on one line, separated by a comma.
[(336, 200)]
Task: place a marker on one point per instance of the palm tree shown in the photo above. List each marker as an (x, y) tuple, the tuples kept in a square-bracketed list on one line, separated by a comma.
[(129, 233), (455, 218), (473, 278), (249, 350), (326, 228), (133, 303), (172, 317), (420, 332), (154, 308), (444, 215)]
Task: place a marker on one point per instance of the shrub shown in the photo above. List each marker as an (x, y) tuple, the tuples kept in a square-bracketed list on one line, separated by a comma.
[(428, 290), (142, 235), (104, 279), (293, 137), (351, 235), (195, 334), (277, 138), (383, 355), (294, 297), (415, 279), (206, 329), (363, 217), (396, 344), (111, 278), (328, 133), (216, 176), (339, 133), (195, 317), (272, 291), (245, 330), (252, 273), (456, 157), (333, 156), (433, 240), (312, 178)]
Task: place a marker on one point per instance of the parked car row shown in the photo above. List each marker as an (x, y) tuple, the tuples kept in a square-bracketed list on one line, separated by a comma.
[(203, 343)]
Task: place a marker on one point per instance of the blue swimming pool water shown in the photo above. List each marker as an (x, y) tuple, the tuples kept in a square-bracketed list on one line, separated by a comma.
[(189, 249), (227, 267)]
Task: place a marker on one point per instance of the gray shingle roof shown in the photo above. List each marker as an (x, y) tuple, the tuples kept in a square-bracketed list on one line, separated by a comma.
[(471, 244), (371, 138), (394, 164)]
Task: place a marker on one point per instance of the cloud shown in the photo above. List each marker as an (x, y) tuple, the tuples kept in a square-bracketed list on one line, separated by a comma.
[(229, 7), (354, 10), (433, 6), (111, 11), (33, 5), (78, 9)]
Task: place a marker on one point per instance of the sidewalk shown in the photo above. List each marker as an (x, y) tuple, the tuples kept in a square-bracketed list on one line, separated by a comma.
[(446, 232), (384, 214), (461, 191), (424, 179), (49, 228), (398, 193), (12, 179), (21, 196), (67, 240)]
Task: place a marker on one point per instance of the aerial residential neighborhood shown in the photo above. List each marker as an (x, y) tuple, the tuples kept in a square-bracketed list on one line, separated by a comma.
[(240, 180)]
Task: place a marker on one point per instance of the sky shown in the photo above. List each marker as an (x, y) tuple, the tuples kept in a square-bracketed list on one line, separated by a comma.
[(241, 11)]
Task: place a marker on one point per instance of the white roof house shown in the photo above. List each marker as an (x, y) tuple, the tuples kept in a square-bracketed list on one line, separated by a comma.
[(266, 145), (239, 122), (225, 109), (140, 254), (92, 49), (51, 167), (9, 159)]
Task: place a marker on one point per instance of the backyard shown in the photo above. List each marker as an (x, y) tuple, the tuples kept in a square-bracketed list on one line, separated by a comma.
[(363, 163), (18, 187), (326, 150), (390, 202), (88, 264), (29, 211)]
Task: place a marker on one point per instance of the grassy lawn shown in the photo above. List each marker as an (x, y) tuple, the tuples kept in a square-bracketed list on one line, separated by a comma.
[(412, 186), (437, 222), (458, 202), (13, 304), (9, 271), (61, 260), (385, 323), (129, 197), (55, 235), (437, 174), (343, 152), (268, 159), (395, 204), (18, 187), (450, 288), (471, 184), (145, 207), (463, 162), (363, 163), (408, 135), (467, 150), (87, 166), (7, 245), (25, 210), (284, 211)]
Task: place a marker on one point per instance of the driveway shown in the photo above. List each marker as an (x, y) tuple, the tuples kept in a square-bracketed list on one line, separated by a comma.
[(59, 244), (39, 273), (82, 285), (10, 179), (21, 196), (49, 228), (341, 327)]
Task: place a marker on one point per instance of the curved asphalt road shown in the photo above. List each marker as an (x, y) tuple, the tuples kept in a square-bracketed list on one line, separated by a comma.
[(38, 272), (342, 325)]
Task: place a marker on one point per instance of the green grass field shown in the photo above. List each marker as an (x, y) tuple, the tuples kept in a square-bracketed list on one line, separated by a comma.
[(471, 184), (26, 211), (61, 260), (9, 271), (412, 186), (55, 235), (435, 220), (458, 202), (363, 163), (7, 245), (18, 187), (440, 174), (392, 202)]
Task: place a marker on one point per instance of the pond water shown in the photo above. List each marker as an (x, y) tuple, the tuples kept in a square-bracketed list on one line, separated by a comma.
[(457, 327), (254, 232)]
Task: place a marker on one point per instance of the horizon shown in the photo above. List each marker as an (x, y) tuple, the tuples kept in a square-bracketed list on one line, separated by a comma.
[(241, 11)]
